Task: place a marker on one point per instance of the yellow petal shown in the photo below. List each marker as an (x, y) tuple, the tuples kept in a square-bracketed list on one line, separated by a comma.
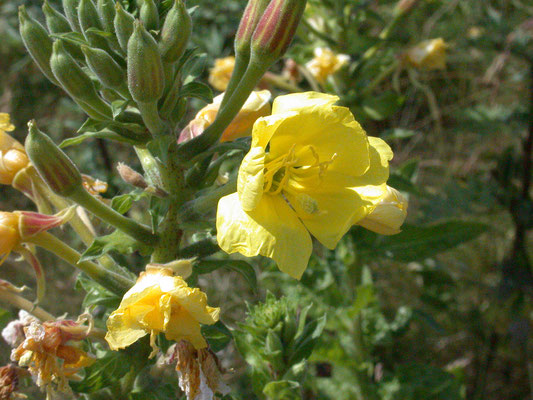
[(388, 215), (272, 229), (251, 180), (299, 101), (184, 326)]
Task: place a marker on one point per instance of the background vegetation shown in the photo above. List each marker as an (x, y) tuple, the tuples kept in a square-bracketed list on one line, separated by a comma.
[(442, 310)]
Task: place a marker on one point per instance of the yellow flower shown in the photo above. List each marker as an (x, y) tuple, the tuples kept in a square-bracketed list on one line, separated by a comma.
[(388, 215), (321, 174), (429, 54), (160, 302), (326, 63), (220, 74), (9, 233), (257, 105), (13, 157)]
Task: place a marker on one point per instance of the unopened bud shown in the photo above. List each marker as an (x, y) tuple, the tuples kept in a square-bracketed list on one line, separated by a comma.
[(52, 164), (37, 42), (131, 176), (88, 16), (175, 33), (276, 29), (104, 67), (71, 13), (123, 23), (146, 80), (388, 215), (250, 18), (55, 21), (149, 15), (76, 82), (106, 11)]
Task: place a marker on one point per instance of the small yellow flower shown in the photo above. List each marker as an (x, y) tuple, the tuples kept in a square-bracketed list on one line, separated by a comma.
[(311, 169), (13, 157), (220, 74), (160, 302), (9, 233), (429, 54), (257, 105), (326, 63), (388, 215)]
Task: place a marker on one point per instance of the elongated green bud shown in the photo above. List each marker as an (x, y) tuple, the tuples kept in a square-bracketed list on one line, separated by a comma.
[(89, 18), (106, 11), (123, 23), (76, 82), (250, 18), (71, 12), (37, 42), (175, 33), (55, 21), (276, 29), (104, 67), (52, 164), (149, 15), (145, 70)]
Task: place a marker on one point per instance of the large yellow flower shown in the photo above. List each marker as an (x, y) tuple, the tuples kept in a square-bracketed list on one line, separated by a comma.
[(160, 302), (13, 157), (257, 105), (220, 74), (311, 169)]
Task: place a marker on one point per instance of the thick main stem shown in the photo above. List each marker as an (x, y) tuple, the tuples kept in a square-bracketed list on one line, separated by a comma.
[(116, 283), (139, 232)]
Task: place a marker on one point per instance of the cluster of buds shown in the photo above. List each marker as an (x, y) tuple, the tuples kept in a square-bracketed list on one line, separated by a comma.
[(49, 350), (114, 57)]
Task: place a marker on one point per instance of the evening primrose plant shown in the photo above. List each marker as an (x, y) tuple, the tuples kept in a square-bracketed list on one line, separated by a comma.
[(308, 171)]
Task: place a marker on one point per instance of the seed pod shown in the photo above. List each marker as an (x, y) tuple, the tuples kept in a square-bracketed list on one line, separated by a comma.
[(104, 67), (175, 33), (52, 164), (76, 82), (37, 42), (71, 13), (123, 23), (146, 80), (149, 15), (276, 28)]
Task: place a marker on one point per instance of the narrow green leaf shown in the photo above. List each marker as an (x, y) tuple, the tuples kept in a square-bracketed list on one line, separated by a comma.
[(197, 90)]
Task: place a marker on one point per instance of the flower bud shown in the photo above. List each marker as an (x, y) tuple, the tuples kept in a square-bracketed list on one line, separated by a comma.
[(13, 157), (37, 42), (149, 15), (106, 11), (123, 23), (429, 55), (276, 28), (104, 67), (389, 214), (71, 13), (52, 164), (250, 18), (131, 176), (57, 23), (89, 18), (175, 33), (77, 83), (146, 80)]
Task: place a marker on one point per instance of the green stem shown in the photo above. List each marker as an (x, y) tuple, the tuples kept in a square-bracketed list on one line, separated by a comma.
[(23, 304), (115, 283), (151, 118), (139, 232), (241, 63), (212, 134)]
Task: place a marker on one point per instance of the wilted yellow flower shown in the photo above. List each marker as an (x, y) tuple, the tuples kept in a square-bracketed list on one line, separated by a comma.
[(220, 74), (160, 302), (429, 54), (48, 356), (320, 175), (326, 63), (257, 105), (9, 233), (13, 157), (388, 215)]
